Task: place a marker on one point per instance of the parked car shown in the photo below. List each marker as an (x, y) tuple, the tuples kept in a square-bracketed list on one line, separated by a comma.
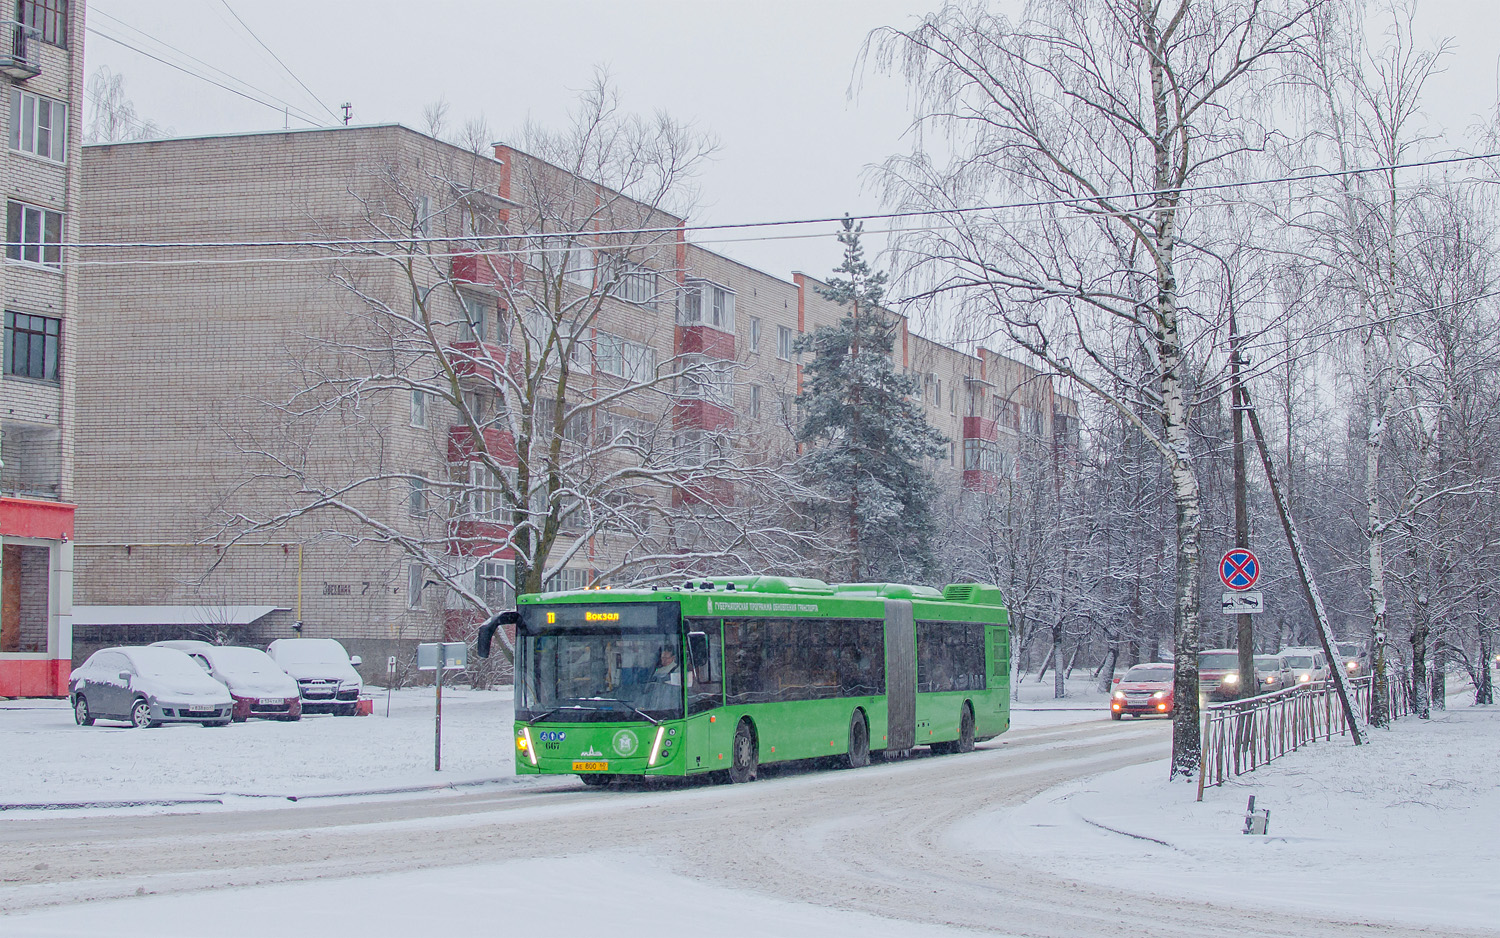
[(1145, 688), (146, 687), (1219, 674), (258, 685), (323, 671), (1272, 674), (1308, 665)]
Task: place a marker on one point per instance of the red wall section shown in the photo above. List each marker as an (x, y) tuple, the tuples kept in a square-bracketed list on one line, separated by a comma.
[(980, 428), (23, 517), (33, 677), (701, 415), (708, 341), (499, 443)]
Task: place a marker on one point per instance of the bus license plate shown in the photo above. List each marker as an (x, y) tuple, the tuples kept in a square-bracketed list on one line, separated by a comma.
[(591, 766)]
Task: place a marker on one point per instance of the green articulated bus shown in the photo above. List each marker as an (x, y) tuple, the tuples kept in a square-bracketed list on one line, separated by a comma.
[(729, 674)]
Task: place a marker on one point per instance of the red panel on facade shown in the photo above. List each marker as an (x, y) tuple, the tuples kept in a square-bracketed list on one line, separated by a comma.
[(482, 269), (24, 517), (475, 359), (977, 480), (701, 415), (498, 443), (32, 677), (706, 491), (479, 539), (702, 339), (979, 428)]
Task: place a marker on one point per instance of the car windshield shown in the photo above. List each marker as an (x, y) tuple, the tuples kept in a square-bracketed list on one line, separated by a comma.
[(244, 661), (168, 664), (1300, 661), (1143, 673), (1349, 649), (1267, 663), (311, 651), (590, 665), (1219, 662)]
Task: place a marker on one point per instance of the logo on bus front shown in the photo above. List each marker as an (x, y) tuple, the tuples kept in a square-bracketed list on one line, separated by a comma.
[(625, 742)]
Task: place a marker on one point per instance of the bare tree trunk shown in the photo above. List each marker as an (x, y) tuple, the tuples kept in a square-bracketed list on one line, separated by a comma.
[(1484, 690), (1439, 679), (1107, 673), (1420, 702)]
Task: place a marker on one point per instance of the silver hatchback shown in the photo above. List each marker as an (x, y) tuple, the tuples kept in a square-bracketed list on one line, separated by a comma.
[(146, 687)]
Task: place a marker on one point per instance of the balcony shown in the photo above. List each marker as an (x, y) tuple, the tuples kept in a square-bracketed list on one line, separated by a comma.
[(20, 50), (483, 270), (499, 444)]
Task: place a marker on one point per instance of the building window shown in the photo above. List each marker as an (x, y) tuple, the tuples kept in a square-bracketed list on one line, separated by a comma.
[(623, 358), (754, 401), (422, 207), (32, 345), (493, 581), (566, 579), (788, 404), (983, 455), (38, 125), (418, 407), (707, 304), (416, 496), (755, 334), (50, 17), (634, 283), (34, 235), (706, 379), (414, 586), (478, 311), (553, 255), (784, 343), (952, 399)]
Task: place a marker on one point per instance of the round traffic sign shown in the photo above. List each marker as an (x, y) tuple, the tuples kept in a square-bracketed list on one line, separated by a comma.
[(1239, 569)]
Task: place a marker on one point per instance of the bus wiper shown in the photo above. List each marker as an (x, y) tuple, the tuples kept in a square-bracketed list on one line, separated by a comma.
[(631, 707)]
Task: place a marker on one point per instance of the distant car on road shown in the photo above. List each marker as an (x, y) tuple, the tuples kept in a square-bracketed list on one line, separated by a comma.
[(258, 685), (1145, 688), (1308, 665), (1219, 674), (324, 672), (1272, 674), (146, 686), (1355, 658)]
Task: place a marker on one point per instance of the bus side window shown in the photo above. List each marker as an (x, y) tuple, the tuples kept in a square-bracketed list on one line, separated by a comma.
[(708, 694)]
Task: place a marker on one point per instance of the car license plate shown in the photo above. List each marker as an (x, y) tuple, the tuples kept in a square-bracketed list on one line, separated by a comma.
[(591, 766), (272, 702), (202, 713)]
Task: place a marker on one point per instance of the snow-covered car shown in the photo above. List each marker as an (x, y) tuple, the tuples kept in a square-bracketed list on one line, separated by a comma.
[(258, 685), (324, 672), (1308, 665), (1219, 674), (1145, 688), (146, 686), (1272, 674)]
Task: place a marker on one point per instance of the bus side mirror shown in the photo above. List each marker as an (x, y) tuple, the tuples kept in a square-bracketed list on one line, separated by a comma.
[(698, 655), (486, 635)]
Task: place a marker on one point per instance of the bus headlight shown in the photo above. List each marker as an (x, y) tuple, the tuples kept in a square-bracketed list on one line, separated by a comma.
[(523, 744), (661, 731)]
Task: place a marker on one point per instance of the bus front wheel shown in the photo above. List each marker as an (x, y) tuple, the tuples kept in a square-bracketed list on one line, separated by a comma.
[(859, 741), (745, 757)]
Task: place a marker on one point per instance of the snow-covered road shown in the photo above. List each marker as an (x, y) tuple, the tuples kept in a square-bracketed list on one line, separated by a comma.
[(875, 851)]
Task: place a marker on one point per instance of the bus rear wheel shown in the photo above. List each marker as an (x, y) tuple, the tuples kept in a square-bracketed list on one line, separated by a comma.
[(745, 756), (597, 781), (859, 742), (965, 740)]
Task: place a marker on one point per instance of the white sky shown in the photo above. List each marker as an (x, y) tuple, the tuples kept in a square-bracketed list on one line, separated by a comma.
[(770, 78)]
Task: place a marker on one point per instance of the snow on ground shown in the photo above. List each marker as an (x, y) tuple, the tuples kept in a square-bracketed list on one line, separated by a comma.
[(1402, 829), (1037, 707), (534, 897), (319, 754)]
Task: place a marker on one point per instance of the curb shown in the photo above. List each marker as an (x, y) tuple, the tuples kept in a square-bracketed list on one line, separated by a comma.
[(219, 797)]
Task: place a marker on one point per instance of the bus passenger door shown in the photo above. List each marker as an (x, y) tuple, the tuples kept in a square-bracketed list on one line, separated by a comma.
[(704, 680)]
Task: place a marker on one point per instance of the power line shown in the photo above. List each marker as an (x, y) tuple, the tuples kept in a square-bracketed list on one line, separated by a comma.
[(777, 223), (284, 106), (278, 59)]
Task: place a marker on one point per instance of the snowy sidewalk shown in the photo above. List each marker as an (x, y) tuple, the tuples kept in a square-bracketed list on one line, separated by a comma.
[(110, 764), (1402, 829)]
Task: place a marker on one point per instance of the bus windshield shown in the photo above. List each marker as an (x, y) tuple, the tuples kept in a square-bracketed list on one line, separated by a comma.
[(599, 663)]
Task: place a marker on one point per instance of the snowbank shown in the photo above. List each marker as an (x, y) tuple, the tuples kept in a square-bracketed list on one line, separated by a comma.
[(320, 754), (1402, 829)]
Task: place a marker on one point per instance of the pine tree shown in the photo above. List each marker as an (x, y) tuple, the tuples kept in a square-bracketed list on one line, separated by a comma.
[(865, 433)]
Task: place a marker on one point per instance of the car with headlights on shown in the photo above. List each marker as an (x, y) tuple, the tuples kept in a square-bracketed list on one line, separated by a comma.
[(1355, 657), (258, 685), (1272, 674), (1219, 674), (146, 686), (1145, 688), (324, 673), (1308, 665)]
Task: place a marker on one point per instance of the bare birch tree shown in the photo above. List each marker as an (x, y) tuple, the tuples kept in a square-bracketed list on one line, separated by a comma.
[(1105, 114)]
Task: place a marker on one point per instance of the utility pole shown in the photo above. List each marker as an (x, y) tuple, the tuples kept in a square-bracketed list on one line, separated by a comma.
[(1245, 637)]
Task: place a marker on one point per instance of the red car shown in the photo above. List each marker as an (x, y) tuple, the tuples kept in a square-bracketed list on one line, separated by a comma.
[(1145, 688)]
